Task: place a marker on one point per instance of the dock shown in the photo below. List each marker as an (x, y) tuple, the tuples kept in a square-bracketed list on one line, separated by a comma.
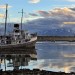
[(56, 38)]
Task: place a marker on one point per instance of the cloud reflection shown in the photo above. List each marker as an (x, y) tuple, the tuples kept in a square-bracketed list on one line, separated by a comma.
[(56, 57), (54, 65)]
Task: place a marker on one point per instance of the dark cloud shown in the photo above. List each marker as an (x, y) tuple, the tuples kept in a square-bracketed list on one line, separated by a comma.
[(33, 14), (73, 8), (43, 13)]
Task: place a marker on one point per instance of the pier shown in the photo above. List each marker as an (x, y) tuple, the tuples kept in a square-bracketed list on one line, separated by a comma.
[(56, 38)]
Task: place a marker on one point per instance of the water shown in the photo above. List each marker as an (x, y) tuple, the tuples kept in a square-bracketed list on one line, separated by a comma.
[(53, 56), (56, 56), (55, 50)]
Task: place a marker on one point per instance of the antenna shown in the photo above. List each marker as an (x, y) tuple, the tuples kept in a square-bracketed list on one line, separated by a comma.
[(6, 19), (21, 18)]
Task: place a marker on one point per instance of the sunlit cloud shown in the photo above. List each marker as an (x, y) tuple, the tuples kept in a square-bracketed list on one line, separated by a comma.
[(62, 11), (4, 6), (57, 12), (65, 9), (1, 15), (34, 1)]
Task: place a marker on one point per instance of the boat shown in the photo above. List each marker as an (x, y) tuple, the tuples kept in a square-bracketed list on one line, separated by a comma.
[(18, 38)]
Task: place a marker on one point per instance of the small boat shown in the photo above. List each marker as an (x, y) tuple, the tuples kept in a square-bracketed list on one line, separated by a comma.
[(18, 38)]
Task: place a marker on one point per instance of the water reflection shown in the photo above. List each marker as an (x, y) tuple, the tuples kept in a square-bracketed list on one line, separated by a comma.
[(56, 56), (16, 58), (55, 50), (52, 56)]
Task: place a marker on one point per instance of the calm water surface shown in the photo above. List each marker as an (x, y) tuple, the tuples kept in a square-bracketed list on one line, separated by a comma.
[(54, 56)]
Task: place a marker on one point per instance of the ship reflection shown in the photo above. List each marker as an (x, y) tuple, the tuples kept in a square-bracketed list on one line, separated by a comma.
[(17, 58)]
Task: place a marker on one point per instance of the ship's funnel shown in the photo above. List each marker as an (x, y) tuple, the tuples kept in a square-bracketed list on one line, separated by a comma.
[(16, 28)]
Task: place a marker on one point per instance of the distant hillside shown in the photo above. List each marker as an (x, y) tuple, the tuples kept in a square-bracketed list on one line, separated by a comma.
[(45, 26)]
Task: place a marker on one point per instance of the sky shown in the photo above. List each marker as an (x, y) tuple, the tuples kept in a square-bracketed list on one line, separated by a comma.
[(31, 7)]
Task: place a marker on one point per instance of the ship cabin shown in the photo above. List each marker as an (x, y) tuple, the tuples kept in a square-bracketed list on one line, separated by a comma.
[(3, 38), (16, 37)]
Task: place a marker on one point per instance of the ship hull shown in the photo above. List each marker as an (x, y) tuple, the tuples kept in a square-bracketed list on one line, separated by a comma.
[(29, 44)]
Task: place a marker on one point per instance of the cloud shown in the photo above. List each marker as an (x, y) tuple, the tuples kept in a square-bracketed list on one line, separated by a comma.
[(62, 11), (71, 0), (43, 13), (1, 15), (24, 19), (57, 12), (33, 14), (34, 1), (4, 6)]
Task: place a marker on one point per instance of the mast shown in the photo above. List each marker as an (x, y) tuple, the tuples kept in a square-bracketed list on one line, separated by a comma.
[(6, 19), (21, 18), (5, 62)]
